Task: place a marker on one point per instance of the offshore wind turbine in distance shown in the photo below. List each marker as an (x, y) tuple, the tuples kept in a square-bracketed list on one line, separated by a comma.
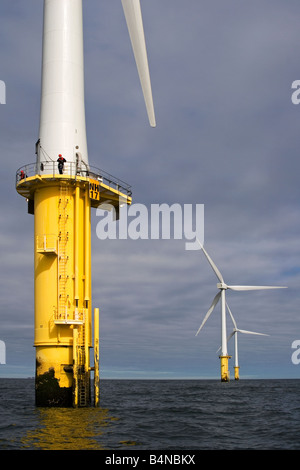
[(234, 333), (223, 287)]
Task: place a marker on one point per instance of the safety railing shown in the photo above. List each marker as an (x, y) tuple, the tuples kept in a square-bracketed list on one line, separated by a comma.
[(51, 170)]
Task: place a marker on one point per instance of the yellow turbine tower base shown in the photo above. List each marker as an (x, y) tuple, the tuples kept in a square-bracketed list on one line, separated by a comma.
[(61, 205), (62, 265), (236, 373), (225, 375)]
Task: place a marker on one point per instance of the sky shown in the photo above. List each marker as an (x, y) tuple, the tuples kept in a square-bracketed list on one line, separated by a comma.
[(227, 137)]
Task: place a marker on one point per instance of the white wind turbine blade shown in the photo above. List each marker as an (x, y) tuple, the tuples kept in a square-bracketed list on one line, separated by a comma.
[(244, 288), (133, 16), (231, 334), (232, 317), (214, 267), (229, 337), (251, 332), (214, 303), (242, 331)]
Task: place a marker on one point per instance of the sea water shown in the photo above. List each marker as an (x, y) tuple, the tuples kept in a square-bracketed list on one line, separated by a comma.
[(171, 415)]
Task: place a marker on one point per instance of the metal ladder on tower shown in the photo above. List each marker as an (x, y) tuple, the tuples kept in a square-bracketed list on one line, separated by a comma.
[(62, 250), (82, 372), (80, 344)]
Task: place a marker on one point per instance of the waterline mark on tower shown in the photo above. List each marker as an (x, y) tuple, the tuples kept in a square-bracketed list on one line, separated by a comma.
[(160, 221), (2, 92)]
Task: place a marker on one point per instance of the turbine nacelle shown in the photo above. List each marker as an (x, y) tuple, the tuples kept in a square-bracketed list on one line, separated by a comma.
[(222, 285)]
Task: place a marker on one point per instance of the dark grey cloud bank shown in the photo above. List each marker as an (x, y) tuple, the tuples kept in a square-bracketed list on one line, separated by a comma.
[(227, 137)]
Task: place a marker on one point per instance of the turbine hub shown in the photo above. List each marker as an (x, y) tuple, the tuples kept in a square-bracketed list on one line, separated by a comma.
[(222, 285)]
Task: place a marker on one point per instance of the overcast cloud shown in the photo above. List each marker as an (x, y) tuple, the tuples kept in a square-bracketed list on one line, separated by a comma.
[(227, 136)]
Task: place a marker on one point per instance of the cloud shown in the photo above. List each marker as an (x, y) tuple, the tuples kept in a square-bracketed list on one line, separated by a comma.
[(227, 137)]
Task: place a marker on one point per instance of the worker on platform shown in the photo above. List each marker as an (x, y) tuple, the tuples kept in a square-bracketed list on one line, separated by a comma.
[(61, 162)]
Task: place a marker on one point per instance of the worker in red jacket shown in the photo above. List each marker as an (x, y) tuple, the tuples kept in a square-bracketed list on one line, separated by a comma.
[(61, 162)]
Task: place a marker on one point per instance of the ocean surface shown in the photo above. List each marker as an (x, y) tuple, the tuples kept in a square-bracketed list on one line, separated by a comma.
[(172, 415)]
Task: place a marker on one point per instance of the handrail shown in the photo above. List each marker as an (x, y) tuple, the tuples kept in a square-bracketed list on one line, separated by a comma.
[(50, 169)]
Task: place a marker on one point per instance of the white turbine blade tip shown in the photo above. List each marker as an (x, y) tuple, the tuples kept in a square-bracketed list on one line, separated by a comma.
[(214, 267), (252, 333), (210, 310), (244, 288), (133, 16)]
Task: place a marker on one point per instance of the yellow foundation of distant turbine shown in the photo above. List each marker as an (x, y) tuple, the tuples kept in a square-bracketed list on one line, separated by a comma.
[(225, 375), (236, 373), (62, 285)]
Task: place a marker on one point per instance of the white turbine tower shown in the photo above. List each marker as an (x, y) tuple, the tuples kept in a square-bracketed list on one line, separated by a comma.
[(62, 117), (234, 333), (222, 286)]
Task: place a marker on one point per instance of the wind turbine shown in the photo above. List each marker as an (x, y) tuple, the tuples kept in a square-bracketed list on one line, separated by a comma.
[(222, 286), (60, 196), (234, 333)]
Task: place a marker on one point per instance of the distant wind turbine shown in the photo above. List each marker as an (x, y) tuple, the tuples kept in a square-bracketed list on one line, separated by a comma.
[(221, 294), (234, 333)]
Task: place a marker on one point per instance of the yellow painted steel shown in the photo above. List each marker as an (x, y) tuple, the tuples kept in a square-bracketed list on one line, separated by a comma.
[(62, 277), (61, 205), (76, 238), (75, 367), (96, 358), (87, 249), (225, 375), (236, 373)]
